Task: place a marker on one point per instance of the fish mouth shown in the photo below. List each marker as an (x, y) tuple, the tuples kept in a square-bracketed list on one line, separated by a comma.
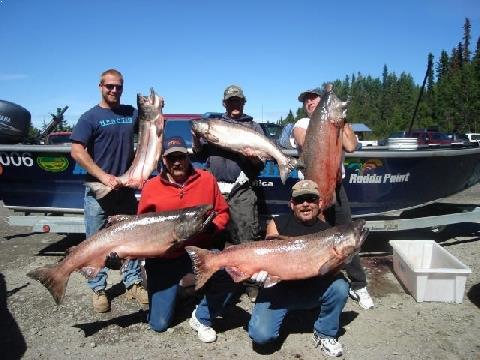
[(199, 126), (360, 232), (363, 236)]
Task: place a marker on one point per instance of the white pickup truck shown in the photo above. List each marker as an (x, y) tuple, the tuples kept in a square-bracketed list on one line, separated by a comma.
[(473, 137)]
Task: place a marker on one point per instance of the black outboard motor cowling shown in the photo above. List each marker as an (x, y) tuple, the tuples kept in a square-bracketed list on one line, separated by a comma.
[(14, 123)]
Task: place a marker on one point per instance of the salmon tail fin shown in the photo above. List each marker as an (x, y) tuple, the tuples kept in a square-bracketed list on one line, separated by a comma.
[(99, 189), (287, 168), (52, 279), (200, 269)]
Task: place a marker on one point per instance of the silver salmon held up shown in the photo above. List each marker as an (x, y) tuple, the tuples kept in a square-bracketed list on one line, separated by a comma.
[(130, 237), (150, 136), (284, 258), (236, 138), (322, 149)]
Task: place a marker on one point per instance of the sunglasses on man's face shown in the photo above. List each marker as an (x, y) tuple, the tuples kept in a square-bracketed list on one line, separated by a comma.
[(176, 157), (305, 198), (113, 86)]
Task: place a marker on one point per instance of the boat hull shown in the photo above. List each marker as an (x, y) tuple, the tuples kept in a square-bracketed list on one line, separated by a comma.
[(45, 178)]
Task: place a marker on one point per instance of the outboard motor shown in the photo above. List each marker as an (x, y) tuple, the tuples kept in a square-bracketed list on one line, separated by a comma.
[(14, 122)]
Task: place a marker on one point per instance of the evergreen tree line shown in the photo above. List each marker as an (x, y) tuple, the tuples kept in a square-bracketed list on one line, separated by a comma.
[(450, 97)]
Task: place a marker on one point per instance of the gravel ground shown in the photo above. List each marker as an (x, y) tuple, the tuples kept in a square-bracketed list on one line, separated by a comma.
[(33, 327)]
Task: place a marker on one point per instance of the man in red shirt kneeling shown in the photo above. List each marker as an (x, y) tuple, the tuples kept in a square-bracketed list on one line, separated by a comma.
[(180, 185)]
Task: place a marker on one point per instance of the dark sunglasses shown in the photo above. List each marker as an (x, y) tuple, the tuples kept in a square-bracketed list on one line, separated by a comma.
[(113, 86), (175, 157), (302, 198)]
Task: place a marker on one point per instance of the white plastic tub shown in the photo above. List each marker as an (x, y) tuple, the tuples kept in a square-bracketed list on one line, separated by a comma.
[(428, 271)]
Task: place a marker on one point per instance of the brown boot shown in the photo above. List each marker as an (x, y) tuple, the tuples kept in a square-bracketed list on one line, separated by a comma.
[(100, 302), (137, 292)]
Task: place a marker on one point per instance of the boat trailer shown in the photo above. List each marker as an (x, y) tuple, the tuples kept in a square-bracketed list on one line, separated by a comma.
[(434, 216)]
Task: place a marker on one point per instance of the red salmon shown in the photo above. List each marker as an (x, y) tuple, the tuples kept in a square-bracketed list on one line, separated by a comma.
[(134, 236), (150, 134), (284, 258), (322, 149)]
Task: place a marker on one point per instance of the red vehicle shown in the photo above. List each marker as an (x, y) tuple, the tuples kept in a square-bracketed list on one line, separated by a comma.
[(431, 137), (59, 137)]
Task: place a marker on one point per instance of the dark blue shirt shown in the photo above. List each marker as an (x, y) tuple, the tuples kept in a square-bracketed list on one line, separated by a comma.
[(108, 137), (289, 225), (226, 165)]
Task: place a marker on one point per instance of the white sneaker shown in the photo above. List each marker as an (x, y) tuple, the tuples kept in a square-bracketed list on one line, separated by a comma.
[(205, 333), (329, 346), (362, 297)]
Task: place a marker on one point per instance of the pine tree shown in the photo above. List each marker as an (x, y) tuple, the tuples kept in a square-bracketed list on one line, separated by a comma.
[(466, 39)]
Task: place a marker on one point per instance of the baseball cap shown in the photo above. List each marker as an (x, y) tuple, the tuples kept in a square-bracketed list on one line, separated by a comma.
[(317, 91), (304, 187), (233, 91), (174, 144)]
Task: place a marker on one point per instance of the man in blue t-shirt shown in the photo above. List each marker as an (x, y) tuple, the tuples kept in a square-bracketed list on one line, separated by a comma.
[(102, 143)]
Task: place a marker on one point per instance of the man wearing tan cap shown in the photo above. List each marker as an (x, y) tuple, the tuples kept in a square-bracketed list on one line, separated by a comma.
[(330, 293)]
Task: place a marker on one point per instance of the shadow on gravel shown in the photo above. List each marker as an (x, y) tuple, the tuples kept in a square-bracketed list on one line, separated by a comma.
[(123, 321), (12, 343), (474, 295), (234, 317), (60, 247)]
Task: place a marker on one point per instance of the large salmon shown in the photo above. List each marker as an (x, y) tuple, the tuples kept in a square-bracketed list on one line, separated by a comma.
[(135, 236), (322, 149), (150, 134), (237, 138), (284, 258)]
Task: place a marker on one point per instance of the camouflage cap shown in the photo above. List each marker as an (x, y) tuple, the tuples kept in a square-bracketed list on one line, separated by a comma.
[(317, 91), (233, 91), (304, 187)]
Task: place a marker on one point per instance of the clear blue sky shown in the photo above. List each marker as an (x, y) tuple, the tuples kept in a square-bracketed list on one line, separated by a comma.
[(52, 51)]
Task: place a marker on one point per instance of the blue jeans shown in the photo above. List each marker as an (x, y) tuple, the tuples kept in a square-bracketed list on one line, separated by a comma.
[(274, 303), (163, 282), (96, 213)]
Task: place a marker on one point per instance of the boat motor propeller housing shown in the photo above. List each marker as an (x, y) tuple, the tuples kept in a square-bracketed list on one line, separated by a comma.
[(14, 122)]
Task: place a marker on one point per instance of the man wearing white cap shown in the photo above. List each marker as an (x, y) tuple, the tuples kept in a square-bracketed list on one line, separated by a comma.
[(340, 213)]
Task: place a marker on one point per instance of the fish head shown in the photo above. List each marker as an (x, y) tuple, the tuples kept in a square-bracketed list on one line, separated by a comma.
[(337, 109), (360, 232), (201, 127), (193, 220), (331, 109), (149, 106), (348, 238)]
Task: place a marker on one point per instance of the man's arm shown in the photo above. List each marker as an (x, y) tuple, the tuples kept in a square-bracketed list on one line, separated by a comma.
[(220, 207), (271, 229), (83, 158), (349, 140), (262, 275), (299, 137)]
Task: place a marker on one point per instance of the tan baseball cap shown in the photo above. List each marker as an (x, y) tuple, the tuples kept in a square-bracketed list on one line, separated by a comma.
[(304, 187)]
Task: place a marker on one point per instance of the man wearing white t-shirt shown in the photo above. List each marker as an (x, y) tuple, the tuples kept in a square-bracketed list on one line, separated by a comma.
[(340, 213)]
